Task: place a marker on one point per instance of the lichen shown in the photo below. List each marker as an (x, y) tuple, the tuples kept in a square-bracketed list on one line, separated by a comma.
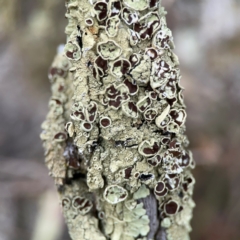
[(77, 205), (109, 50), (114, 137), (115, 194)]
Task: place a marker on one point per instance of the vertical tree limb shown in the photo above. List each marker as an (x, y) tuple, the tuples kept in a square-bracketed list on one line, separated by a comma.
[(115, 134)]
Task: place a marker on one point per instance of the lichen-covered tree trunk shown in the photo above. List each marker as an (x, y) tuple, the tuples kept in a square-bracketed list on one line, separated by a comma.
[(114, 136)]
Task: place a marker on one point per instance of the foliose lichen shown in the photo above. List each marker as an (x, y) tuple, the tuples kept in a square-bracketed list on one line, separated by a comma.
[(114, 137)]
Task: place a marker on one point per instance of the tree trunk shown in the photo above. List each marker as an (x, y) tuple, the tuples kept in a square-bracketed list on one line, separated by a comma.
[(114, 136)]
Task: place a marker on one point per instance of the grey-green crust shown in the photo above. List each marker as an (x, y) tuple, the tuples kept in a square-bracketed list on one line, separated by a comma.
[(114, 136)]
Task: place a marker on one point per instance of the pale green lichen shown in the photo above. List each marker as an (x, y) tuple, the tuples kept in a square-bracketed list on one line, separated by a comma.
[(72, 51), (114, 136), (141, 73), (55, 121), (77, 203), (142, 192), (137, 5), (112, 25), (115, 194), (109, 50), (126, 221)]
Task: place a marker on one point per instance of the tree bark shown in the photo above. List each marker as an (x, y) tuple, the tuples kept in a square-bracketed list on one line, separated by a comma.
[(114, 136)]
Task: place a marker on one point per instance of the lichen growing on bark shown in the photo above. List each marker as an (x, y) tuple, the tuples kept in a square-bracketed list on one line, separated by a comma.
[(114, 136)]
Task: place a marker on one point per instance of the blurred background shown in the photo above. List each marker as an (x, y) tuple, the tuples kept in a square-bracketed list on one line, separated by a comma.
[(207, 39)]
